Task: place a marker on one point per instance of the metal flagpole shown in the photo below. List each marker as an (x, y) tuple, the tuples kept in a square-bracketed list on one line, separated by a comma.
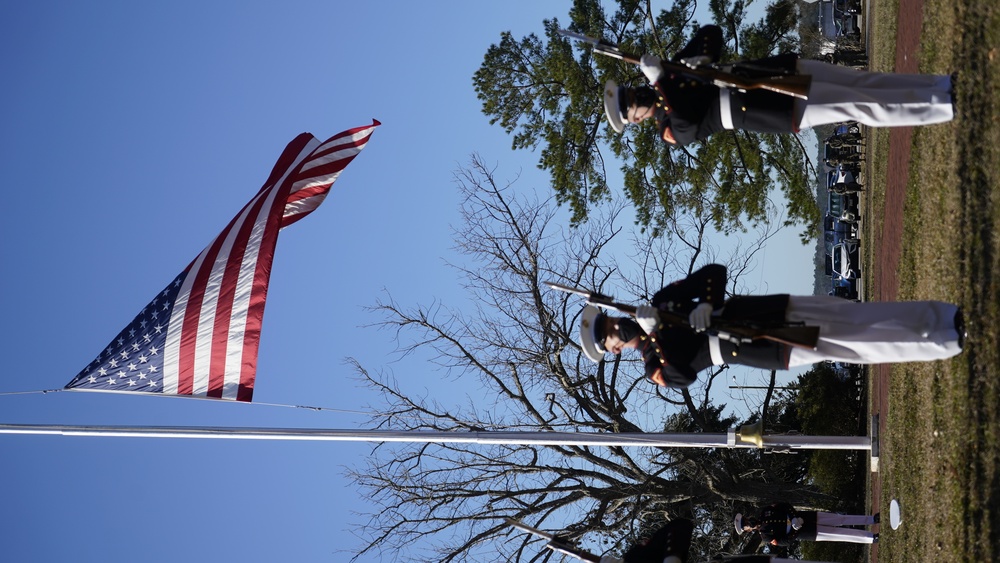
[(746, 437)]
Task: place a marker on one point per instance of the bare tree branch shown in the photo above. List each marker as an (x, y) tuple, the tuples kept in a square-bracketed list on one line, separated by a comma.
[(518, 343)]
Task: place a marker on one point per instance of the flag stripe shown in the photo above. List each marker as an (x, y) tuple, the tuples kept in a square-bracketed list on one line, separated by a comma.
[(232, 268), (254, 274), (189, 340), (228, 311), (294, 153), (196, 325), (213, 312), (325, 166)]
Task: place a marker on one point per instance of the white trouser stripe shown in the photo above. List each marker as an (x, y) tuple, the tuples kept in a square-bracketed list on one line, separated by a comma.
[(714, 351), (725, 110)]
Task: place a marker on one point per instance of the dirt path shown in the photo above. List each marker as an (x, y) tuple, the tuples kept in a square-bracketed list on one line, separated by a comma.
[(889, 249)]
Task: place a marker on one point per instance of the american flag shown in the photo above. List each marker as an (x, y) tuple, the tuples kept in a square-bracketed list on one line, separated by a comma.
[(199, 336)]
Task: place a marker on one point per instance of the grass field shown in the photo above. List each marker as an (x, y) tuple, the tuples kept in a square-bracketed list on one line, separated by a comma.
[(941, 436)]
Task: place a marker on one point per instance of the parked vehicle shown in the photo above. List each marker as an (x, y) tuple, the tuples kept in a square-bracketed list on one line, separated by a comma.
[(841, 262), (843, 151), (843, 207), (846, 134), (848, 127), (848, 6), (845, 140), (839, 174), (839, 18), (842, 180), (841, 154), (837, 230), (845, 289)]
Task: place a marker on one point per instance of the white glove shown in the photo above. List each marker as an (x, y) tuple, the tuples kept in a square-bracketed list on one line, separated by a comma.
[(648, 318), (701, 317), (650, 66), (797, 523), (696, 61)]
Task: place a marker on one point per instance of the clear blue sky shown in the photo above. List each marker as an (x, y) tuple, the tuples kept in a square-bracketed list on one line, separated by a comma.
[(131, 132)]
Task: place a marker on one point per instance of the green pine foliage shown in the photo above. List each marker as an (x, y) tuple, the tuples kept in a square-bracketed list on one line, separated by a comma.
[(548, 94)]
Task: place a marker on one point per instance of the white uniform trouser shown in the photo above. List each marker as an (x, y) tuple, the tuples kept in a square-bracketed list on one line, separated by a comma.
[(874, 333), (839, 93), (827, 527)]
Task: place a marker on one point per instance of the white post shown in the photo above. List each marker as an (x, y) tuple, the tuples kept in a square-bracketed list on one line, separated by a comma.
[(663, 440)]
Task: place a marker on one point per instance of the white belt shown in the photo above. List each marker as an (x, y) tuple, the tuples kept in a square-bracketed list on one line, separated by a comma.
[(725, 110), (714, 351)]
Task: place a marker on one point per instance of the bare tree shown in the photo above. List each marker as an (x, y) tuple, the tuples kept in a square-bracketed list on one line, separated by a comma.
[(520, 345)]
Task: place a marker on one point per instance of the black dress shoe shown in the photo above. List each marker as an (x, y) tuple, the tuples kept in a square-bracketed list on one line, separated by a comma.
[(960, 327), (877, 517), (953, 91), (875, 538)]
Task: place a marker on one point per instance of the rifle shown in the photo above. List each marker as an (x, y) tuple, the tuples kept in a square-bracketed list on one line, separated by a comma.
[(796, 85), (556, 543), (738, 332)]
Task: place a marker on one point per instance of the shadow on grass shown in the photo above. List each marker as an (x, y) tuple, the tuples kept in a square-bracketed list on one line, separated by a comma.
[(978, 176)]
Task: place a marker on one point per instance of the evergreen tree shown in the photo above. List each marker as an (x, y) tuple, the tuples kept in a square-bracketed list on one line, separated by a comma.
[(547, 92)]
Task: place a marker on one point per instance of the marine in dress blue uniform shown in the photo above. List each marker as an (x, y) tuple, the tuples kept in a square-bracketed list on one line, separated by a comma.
[(780, 524), (688, 110), (862, 333)]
